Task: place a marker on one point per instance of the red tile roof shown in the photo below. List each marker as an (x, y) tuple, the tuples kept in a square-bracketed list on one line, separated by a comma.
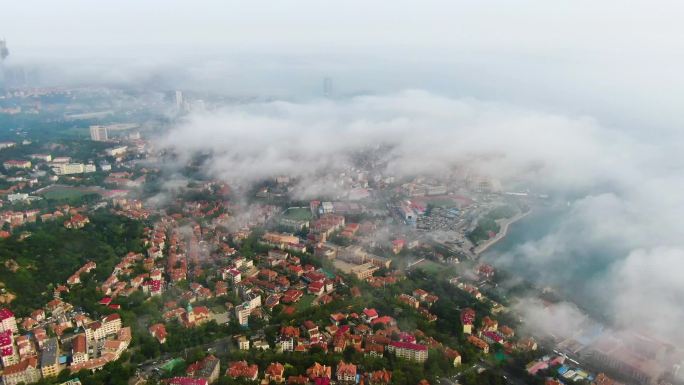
[(187, 381), (383, 320), (346, 369), (112, 317), (5, 313), (241, 369), (467, 316), (80, 345), (21, 366), (6, 338), (7, 351), (317, 370), (275, 369)]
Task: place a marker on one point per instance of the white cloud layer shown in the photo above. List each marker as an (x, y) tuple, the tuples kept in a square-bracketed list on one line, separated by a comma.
[(426, 133), (628, 217)]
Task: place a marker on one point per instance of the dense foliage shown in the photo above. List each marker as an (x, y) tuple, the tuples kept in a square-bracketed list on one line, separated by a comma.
[(487, 224), (52, 253)]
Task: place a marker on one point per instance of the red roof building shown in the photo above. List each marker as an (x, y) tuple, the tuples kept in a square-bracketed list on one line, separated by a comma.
[(241, 369), (316, 288), (478, 343), (485, 271), (319, 371), (187, 381), (409, 351), (289, 332), (310, 328), (158, 331), (398, 245), (369, 315), (489, 324), (77, 221), (467, 320), (380, 377), (5, 313), (291, 296), (384, 320), (346, 372), (491, 337), (274, 372)]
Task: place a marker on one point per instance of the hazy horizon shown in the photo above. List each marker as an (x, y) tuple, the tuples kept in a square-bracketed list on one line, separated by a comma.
[(576, 57)]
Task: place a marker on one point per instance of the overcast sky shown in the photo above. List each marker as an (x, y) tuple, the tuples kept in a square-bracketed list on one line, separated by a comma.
[(528, 26), (617, 61)]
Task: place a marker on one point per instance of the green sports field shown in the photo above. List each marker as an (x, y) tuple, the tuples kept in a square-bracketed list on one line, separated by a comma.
[(298, 214)]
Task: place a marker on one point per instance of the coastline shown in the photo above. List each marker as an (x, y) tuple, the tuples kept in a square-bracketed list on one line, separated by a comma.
[(501, 234)]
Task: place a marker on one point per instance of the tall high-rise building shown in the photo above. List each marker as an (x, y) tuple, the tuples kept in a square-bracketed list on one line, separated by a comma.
[(327, 87), (4, 52), (179, 99), (98, 133)]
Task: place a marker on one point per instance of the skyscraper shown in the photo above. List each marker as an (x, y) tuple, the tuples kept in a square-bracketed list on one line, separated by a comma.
[(179, 100), (4, 52), (327, 87)]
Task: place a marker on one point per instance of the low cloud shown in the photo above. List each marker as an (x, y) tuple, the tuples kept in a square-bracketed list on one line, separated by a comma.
[(560, 320), (619, 242), (649, 291), (618, 253), (420, 133)]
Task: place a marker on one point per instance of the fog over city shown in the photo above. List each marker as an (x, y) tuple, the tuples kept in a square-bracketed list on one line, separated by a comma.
[(579, 101), (628, 207), (613, 62)]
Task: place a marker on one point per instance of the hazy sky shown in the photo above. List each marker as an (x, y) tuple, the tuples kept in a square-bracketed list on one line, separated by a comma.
[(614, 60), (532, 26)]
